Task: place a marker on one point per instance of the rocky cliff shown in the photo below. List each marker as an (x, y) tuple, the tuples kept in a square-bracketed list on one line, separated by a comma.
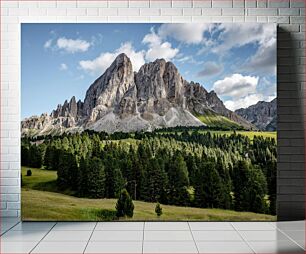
[(263, 115), (123, 100)]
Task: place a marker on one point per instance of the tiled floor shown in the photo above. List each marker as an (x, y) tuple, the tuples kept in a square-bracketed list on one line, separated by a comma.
[(152, 237)]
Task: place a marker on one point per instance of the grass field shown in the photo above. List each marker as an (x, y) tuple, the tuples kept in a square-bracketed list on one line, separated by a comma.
[(214, 120), (250, 134), (41, 201)]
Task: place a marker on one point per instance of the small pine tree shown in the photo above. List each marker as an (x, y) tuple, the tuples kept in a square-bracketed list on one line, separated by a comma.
[(124, 206), (29, 172), (158, 209)]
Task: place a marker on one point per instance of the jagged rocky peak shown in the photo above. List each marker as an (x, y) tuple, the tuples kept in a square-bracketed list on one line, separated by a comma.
[(123, 100), (68, 109), (263, 114), (159, 80), (195, 90), (108, 90)]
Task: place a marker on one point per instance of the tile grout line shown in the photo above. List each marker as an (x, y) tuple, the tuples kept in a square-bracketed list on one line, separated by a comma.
[(10, 228), (143, 232), (193, 237), (247, 243), (273, 225), (291, 239), (90, 237), (42, 238)]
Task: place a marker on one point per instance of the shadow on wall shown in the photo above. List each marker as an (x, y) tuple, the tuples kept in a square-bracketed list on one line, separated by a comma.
[(290, 124)]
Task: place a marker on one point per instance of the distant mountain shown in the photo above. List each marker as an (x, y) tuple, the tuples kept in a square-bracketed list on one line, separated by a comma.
[(122, 100), (263, 115)]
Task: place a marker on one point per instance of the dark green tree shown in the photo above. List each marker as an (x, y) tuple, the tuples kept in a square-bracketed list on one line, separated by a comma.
[(25, 155), (158, 210), (124, 206), (208, 188), (250, 188), (178, 180), (67, 173), (35, 158), (29, 172), (154, 182), (48, 157), (95, 178)]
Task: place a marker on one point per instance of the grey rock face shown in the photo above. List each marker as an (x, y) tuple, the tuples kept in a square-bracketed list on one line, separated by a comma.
[(263, 114), (122, 100), (159, 87), (108, 90)]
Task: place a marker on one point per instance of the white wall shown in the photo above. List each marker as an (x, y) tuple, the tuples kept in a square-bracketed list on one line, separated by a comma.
[(288, 13)]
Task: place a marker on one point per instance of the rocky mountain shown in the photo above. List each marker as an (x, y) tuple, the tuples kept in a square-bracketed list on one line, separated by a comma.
[(263, 115), (123, 100)]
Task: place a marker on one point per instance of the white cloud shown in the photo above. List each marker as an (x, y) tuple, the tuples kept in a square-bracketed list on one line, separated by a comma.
[(190, 33), (71, 45), (157, 48), (210, 69), (247, 101), (244, 91), (102, 62), (152, 38), (236, 86), (236, 35), (63, 67), (243, 102), (265, 58), (48, 44)]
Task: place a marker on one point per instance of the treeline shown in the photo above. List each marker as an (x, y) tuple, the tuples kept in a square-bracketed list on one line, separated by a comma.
[(178, 168)]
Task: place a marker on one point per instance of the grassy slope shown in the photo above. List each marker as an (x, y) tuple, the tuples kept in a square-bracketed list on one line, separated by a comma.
[(46, 205), (214, 120)]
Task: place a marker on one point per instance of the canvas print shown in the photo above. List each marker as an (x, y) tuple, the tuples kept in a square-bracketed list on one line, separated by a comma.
[(148, 122)]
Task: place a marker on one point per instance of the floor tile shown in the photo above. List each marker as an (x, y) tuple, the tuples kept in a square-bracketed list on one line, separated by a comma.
[(119, 226), (33, 226), (291, 225), (221, 226), (69, 236), (223, 247), (274, 235), (60, 247), (253, 226), (101, 236), (166, 226), (5, 226), (297, 236), (67, 226), (23, 236), (276, 247), (169, 247), (167, 236), (216, 236), (17, 247), (114, 247)]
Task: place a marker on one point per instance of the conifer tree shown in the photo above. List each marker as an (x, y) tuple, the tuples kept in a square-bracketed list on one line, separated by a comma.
[(95, 178), (154, 182), (178, 181), (158, 210), (124, 206)]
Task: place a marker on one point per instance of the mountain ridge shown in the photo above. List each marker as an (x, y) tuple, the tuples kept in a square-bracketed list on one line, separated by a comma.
[(263, 114), (156, 96)]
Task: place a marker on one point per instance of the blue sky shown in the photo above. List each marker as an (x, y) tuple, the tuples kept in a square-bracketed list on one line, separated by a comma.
[(59, 61)]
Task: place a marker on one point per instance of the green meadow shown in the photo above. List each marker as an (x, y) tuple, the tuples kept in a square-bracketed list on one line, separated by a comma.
[(41, 200)]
